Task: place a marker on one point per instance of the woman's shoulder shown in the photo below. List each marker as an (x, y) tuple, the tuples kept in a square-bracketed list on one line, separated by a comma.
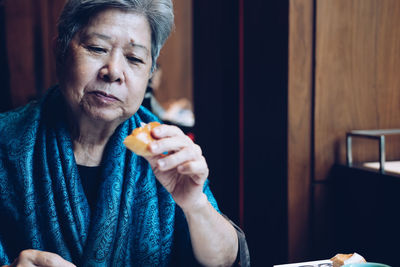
[(21, 116), (16, 122)]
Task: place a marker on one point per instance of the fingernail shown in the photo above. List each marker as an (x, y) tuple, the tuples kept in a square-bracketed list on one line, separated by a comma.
[(161, 163), (153, 146), (157, 130)]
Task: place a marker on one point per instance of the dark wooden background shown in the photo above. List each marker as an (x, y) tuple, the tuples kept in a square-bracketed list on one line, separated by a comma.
[(311, 69), (343, 75), (217, 105)]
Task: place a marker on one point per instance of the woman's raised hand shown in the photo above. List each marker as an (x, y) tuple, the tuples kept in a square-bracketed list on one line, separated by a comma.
[(183, 170)]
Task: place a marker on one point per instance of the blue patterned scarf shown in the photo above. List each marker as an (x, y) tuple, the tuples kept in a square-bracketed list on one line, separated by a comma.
[(43, 205)]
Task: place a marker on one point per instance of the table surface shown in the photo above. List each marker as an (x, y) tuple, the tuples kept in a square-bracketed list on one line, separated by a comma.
[(319, 263)]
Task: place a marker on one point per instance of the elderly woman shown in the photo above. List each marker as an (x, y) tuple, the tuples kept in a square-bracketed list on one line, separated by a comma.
[(70, 192)]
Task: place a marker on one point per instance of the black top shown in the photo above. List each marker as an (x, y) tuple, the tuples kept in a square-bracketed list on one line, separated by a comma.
[(91, 180)]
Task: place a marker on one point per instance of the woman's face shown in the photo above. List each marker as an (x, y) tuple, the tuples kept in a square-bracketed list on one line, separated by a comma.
[(108, 66)]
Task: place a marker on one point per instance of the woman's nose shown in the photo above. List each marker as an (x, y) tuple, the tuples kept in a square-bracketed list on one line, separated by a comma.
[(112, 71)]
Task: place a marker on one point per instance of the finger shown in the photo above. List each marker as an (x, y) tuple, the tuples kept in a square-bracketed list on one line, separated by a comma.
[(169, 144), (197, 170), (173, 160), (165, 130), (48, 259), (152, 159)]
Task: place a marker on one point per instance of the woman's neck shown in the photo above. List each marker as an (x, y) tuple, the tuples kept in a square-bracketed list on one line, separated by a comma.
[(89, 139), (88, 149)]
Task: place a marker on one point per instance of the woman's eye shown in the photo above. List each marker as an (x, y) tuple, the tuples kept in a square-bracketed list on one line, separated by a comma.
[(96, 49), (134, 60)]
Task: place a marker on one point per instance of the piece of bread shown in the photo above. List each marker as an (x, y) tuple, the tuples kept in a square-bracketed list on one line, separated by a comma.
[(140, 138), (342, 259)]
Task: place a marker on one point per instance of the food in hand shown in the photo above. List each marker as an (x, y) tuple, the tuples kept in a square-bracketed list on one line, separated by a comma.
[(140, 139), (342, 259)]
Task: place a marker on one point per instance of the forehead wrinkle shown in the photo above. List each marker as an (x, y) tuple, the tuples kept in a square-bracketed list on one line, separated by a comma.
[(101, 36), (84, 35)]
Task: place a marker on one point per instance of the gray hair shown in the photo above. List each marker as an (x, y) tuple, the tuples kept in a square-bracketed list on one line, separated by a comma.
[(77, 13)]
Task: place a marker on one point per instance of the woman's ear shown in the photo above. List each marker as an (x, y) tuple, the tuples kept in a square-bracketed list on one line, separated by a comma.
[(155, 78)]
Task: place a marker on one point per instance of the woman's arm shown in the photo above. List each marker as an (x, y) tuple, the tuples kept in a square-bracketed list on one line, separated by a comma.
[(214, 240), (183, 173)]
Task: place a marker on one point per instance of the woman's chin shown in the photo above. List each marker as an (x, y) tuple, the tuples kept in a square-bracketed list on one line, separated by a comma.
[(106, 116)]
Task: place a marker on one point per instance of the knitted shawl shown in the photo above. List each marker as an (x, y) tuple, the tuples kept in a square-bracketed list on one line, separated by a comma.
[(43, 205)]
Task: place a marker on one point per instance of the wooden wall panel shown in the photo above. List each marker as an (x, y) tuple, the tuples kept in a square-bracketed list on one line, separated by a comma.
[(299, 128), (266, 34), (55, 8), (356, 86), (217, 99), (30, 30), (357, 61), (19, 18), (47, 13), (216, 88), (357, 81), (176, 57), (5, 97)]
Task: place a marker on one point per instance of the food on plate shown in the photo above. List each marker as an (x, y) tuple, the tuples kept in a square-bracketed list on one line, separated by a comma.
[(140, 138), (342, 259)]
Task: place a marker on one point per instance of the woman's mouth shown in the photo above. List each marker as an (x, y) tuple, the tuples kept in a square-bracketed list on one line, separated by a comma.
[(104, 97)]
